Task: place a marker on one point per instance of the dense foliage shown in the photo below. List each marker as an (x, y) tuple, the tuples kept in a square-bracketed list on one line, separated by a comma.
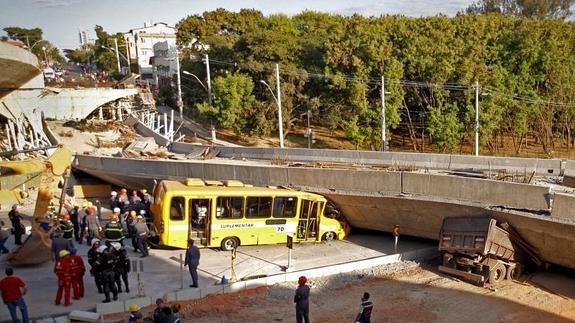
[(333, 66), (32, 39)]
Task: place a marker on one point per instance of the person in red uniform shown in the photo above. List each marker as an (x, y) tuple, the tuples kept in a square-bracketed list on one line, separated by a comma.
[(13, 289), (77, 272), (63, 269)]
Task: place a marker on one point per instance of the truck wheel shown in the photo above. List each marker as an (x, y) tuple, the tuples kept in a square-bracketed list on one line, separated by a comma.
[(497, 274), (514, 272), (329, 236), (230, 243)]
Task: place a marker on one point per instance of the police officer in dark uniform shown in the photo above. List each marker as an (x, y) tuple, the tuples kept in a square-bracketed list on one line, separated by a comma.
[(106, 261), (113, 230), (74, 217), (122, 266), (95, 270)]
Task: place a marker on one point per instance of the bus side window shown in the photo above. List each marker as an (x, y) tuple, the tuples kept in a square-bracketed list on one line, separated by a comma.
[(285, 207), (177, 208), (230, 207), (259, 207)]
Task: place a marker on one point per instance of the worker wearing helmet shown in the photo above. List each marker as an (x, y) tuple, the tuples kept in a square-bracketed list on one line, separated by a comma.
[(301, 300), (130, 223), (67, 228), (135, 315), (122, 266), (95, 271), (113, 230), (63, 269), (142, 232), (113, 200), (93, 224), (106, 262), (77, 271)]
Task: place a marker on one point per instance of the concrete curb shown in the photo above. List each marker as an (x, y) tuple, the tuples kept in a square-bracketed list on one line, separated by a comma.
[(197, 293)]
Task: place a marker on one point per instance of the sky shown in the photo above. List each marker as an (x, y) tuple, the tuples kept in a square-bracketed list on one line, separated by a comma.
[(62, 19)]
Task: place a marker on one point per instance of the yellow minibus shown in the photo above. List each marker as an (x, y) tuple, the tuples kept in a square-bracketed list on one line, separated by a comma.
[(227, 214)]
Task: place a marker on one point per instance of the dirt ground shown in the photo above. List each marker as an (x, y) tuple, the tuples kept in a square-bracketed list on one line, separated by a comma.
[(408, 294)]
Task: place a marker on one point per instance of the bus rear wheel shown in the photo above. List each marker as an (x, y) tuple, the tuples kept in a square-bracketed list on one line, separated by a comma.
[(329, 236), (230, 243)]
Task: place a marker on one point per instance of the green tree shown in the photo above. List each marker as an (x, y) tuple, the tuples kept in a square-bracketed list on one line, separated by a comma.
[(537, 9), (233, 101), (444, 127)]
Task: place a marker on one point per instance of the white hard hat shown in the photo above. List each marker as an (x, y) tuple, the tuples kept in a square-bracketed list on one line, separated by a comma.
[(16, 206), (139, 217), (116, 210), (142, 212), (101, 249), (113, 193), (116, 245), (94, 241)]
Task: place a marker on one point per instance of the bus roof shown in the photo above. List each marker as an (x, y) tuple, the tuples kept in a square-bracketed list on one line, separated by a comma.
[(191, 186)]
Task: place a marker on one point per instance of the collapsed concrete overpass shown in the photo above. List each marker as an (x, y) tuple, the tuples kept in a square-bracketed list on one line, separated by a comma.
[(378, 199)]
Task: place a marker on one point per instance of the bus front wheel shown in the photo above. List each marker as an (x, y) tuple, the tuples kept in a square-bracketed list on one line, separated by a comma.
[(230, 243), (329, 236)]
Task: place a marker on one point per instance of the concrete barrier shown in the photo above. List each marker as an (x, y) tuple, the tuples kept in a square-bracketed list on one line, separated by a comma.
[(513, 195), (563, 206), (569, 175), (345, 179)]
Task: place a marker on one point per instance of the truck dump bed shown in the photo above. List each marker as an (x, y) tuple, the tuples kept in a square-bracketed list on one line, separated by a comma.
[(476, 236)]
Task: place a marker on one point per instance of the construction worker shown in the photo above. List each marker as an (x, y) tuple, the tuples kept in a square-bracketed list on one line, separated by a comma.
[(67, 228), (122, 198), (62, 269), (59, 244), (93, 224), (142, 232), (77, 271), (147, 201), (106, 262), (122, 266), (113, 200), (93, 261), (135, 315), (75, 218), (130, 223), (113, 230), (18, 228)]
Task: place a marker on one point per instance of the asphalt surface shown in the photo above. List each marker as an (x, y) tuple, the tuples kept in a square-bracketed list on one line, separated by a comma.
[(161, 270)]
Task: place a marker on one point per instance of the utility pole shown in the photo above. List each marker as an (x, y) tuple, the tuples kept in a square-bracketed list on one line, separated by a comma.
[(180, 103), (279, 106), (308, 130), (117, 55), (209, 80), (476, 118), (383, 126)]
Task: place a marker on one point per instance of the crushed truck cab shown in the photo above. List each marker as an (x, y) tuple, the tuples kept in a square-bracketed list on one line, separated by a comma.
[(478, 250)]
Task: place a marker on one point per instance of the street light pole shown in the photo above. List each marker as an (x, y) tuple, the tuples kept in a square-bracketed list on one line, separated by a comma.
[(279, 111), (279, 106), (180, 103), (309, 133), (383, 124), (476, 118), (209, 80), (197, 79), (117, 55), (45, 57)]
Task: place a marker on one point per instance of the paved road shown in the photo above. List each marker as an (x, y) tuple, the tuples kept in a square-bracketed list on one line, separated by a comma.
[(162, 271)]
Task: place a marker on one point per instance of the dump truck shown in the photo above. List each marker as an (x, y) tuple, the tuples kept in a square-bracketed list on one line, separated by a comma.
[(478, 250)]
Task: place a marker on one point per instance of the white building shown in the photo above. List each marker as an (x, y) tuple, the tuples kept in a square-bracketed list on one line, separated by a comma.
[(84, 37), (141, 41), (164, 63)]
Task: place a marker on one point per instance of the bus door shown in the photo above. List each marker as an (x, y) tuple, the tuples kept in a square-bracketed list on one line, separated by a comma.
[(177, 225), (307, 228), (200, 219)]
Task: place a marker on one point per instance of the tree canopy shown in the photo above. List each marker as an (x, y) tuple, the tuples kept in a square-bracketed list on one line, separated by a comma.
[(333, 66)]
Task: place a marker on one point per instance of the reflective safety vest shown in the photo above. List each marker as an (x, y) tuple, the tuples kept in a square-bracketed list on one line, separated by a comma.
[(67, 228), (114, 232)]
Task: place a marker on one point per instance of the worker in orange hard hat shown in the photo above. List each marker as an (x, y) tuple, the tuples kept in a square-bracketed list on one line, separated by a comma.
[(66, 227), (301, 300)]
